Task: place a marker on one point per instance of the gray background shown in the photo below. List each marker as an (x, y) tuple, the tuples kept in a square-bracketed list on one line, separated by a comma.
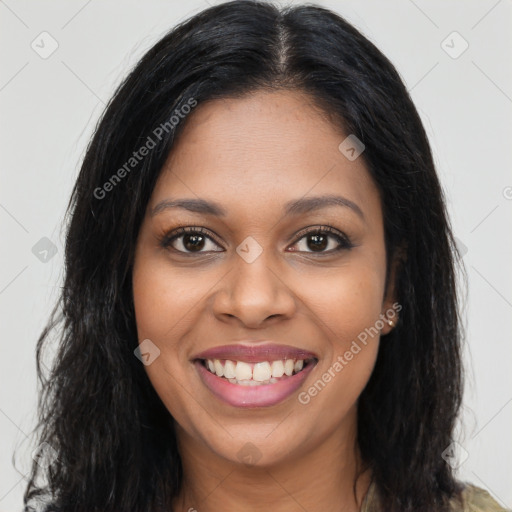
[(48, 110)]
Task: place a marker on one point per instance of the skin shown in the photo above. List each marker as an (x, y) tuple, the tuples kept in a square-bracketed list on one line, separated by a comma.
[(252, 155)]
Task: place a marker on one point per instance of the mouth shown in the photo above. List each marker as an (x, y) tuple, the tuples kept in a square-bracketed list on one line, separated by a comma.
[(254, 376)]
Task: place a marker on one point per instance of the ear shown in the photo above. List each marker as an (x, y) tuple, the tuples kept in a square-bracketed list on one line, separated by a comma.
[(391, 306)]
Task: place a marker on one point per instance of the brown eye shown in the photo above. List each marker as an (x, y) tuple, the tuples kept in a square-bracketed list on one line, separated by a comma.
[(322, 240), (317, 242), (193, 242), (190, 240)]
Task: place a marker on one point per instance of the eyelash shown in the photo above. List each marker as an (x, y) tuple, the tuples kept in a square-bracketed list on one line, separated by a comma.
[(344, 242)]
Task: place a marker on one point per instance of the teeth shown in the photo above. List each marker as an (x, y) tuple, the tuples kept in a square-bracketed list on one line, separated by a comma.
[(252, 382), (248, 383), (254, 374), (262, 371), (243, 371), (277, 369), (219, 370), (229, 369)]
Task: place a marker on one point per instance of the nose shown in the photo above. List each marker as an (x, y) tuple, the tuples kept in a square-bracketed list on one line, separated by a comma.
[(253, 294)]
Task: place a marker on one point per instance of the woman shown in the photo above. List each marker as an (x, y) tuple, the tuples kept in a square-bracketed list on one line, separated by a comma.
[(259, 307)]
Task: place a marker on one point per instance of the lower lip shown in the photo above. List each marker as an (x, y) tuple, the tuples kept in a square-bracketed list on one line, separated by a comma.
[(263, 395)]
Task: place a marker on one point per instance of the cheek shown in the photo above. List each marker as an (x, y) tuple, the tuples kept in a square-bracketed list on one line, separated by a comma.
[(165, 299), (164, 309), (161, 306), (348, 307), (355, 305), (349, 299)]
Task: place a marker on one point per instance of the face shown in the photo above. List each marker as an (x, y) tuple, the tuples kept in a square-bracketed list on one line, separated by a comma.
[(259, 273)]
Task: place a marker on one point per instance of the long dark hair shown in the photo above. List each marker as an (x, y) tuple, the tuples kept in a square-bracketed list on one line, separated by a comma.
[(114, 439)]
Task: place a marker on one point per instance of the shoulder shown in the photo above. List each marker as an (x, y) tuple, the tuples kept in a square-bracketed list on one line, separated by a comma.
[(475, 499)]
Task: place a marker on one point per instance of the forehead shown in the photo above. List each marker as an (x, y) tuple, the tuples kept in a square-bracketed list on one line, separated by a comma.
[(262, 149)]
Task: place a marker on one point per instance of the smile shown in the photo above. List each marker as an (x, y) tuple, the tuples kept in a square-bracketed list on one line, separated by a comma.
[(256, 375)]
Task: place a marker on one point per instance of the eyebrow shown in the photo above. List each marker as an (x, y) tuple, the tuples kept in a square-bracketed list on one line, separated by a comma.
[(192, 205), (297, 207), (309, 204)]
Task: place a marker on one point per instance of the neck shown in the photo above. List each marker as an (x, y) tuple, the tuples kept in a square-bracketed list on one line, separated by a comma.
[(328, 477)]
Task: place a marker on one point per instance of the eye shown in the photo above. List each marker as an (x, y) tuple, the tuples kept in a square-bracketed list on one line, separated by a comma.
[(189, 240), (322, 239)]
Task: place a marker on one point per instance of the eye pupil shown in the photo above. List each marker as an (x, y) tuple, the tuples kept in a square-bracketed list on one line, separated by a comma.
[(317, 242), (193, 242)]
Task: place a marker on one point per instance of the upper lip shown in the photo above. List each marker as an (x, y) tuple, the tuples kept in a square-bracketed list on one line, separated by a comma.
[(255, 353)]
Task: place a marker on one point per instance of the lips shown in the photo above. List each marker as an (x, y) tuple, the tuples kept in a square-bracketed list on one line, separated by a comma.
[(255, 353), (254, 375)]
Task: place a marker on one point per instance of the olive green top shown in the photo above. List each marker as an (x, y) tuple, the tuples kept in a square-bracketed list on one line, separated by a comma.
[(474, 500)]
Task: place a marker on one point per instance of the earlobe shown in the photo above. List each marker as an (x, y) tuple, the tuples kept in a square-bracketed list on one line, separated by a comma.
[(389, 323), (391, 306)]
